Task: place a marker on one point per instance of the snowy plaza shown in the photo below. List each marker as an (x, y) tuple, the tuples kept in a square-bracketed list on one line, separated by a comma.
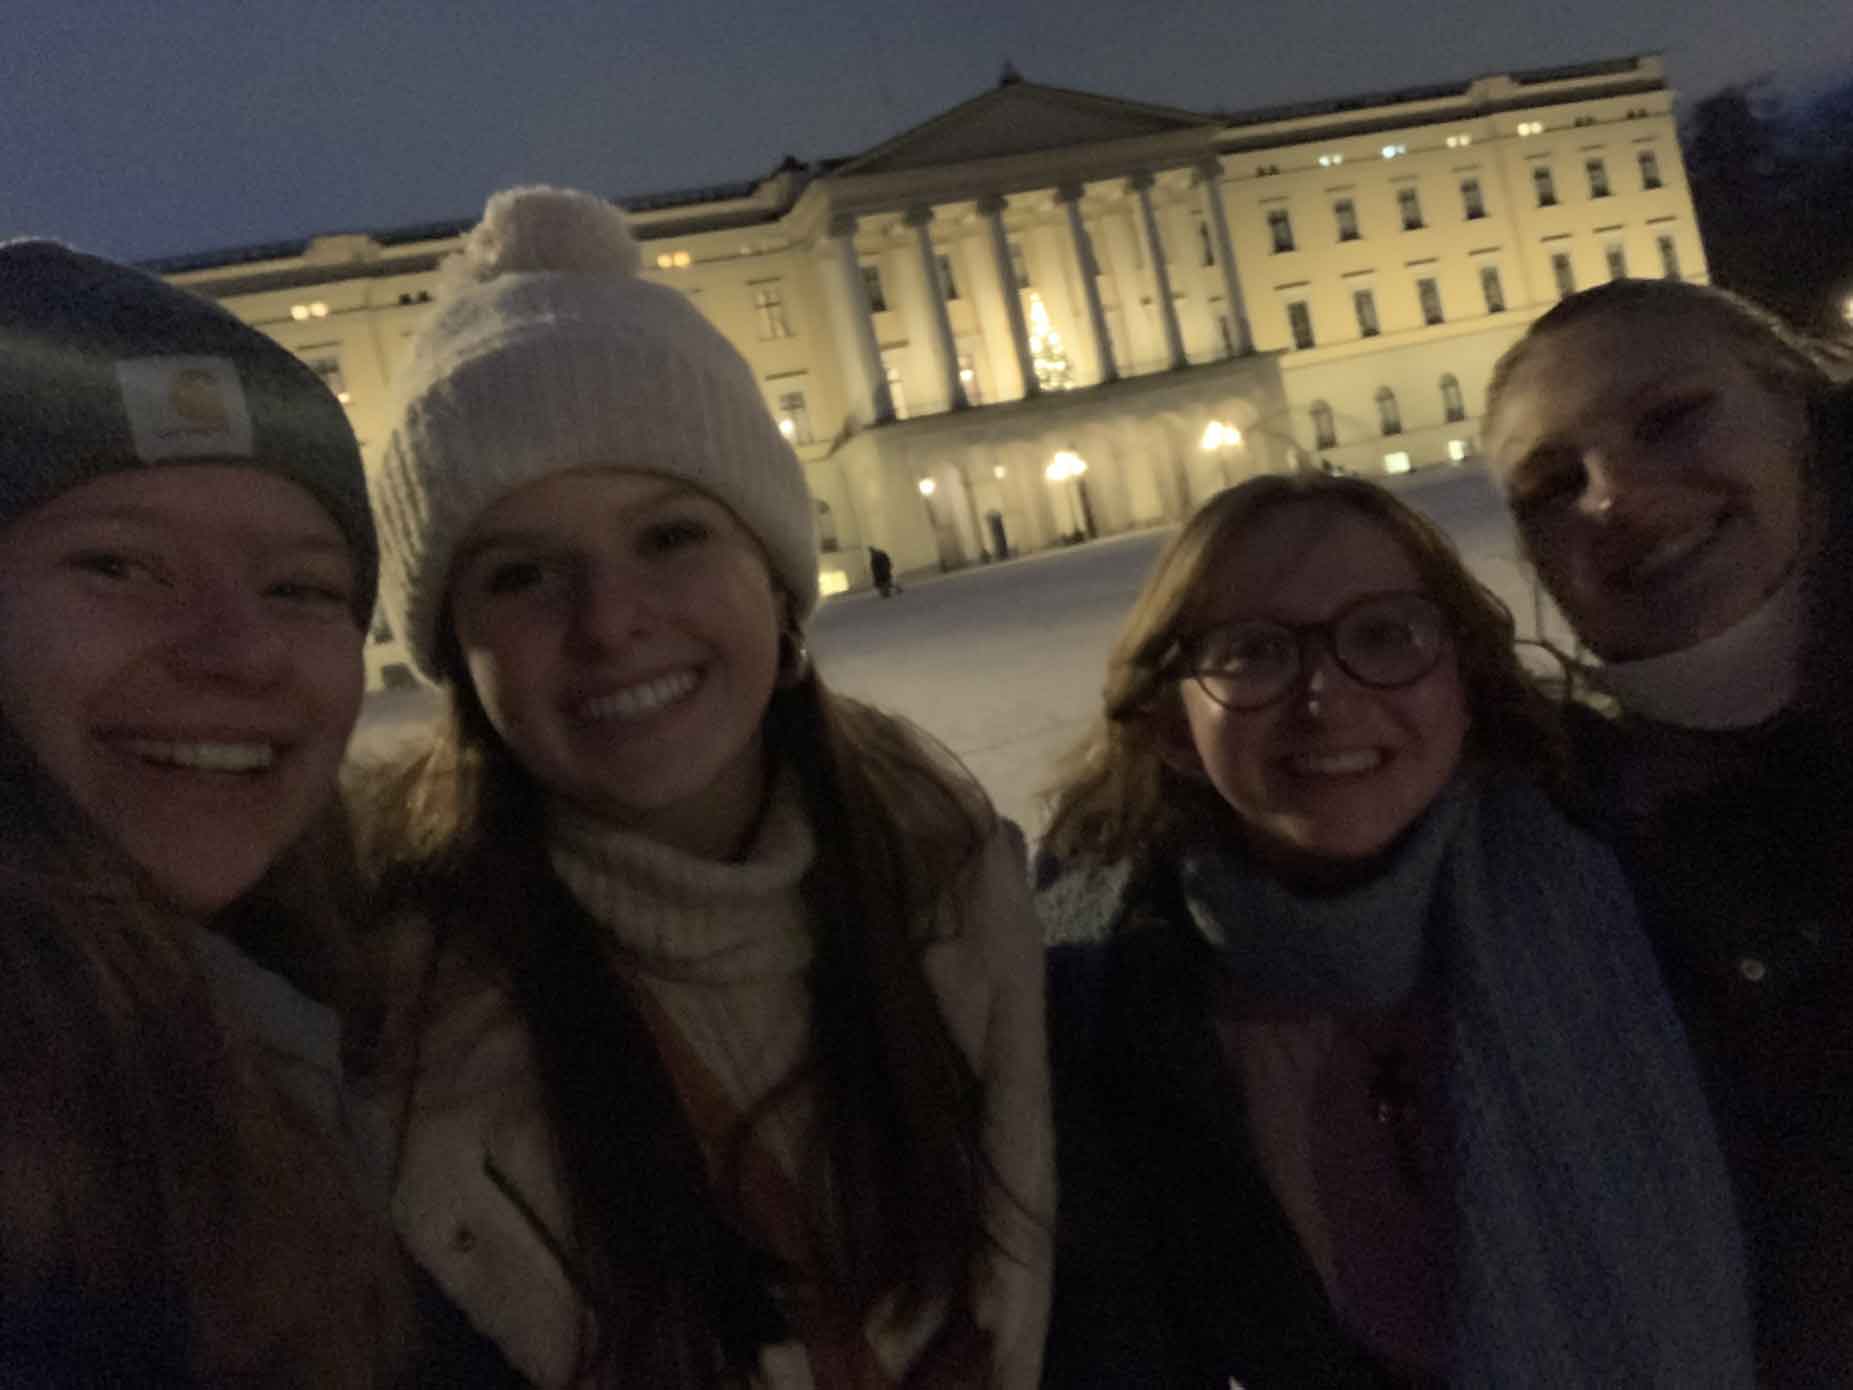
[(1003, 662)]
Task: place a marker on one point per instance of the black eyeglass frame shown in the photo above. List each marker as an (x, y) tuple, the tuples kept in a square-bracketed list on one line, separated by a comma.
[(1180, 665)]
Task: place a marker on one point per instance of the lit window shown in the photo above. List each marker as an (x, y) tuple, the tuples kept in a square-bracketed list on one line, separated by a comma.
[(1598, 178), (1365, 302), (1650, 169), (683, 260), (1453, 407), (1389, 414), (299, 312), (1565, 276), (794, 417), (1458, 450), (1428, 292), (1392, 151), (1473, 201), (1347, 214), (1325, 428), (1330, 161), (665, 261), (1531, 127), (1300, 321), (1545, 184), (948, 286), (318, 310), (831, 582), (1411, 204), (1280, 227), (1494, 291), (1397, 462), (769, 304), (1459, 142), (1669, 258), (1618, 261), (872, 286)]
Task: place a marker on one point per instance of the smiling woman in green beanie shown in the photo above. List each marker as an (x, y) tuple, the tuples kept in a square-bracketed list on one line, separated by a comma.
[(187, 566), (717, 996)]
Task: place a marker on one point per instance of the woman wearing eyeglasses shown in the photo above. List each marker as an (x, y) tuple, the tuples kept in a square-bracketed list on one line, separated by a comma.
[(1365, 1075)]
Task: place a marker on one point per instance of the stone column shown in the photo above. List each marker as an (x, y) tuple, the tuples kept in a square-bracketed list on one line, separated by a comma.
[(870, 400), (991, 208), (1141, 184), (1209, 182), (945, 353), (1069, 196)]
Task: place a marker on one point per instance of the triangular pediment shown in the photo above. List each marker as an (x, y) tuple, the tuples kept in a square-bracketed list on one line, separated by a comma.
[(1017, 118)]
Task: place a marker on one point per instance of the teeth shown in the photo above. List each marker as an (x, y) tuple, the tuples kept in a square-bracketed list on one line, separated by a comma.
[(640, 701), (1336, 764), (206, 757)]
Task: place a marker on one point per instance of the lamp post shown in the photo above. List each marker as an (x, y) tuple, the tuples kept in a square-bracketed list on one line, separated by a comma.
[(1068, 466), (927, 488), (1219, 436)]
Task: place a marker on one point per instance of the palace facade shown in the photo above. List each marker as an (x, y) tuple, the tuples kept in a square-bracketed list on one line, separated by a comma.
[(1047, 314)]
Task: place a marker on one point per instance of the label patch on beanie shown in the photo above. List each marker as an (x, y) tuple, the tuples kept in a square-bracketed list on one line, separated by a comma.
[(185, 407)]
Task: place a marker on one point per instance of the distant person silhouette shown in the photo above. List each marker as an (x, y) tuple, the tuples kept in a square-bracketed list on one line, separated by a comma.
[(881, 568)]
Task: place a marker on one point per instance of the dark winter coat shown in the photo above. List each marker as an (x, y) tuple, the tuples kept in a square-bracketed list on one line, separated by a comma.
[(1175, 1264)]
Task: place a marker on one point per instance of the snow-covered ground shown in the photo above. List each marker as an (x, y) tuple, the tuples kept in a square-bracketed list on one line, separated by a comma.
[(1003, 662)]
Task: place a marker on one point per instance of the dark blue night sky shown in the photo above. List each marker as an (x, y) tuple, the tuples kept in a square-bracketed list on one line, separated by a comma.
[(142, 128)]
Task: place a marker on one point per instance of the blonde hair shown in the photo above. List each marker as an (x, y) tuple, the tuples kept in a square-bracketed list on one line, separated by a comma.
[(1118, 796)]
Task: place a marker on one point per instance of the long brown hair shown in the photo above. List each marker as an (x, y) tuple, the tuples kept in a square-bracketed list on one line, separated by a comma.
[(1117, 794), (894, 1197), (166, 1217)]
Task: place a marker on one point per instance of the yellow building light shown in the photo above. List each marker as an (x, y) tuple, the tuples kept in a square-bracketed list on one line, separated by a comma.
[(832, 582)]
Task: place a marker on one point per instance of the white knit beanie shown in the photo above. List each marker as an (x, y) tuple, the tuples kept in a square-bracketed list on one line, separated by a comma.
[(548, 352)]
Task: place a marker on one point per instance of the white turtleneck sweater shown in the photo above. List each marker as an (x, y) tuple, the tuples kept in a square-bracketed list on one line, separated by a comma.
[(724, 950)]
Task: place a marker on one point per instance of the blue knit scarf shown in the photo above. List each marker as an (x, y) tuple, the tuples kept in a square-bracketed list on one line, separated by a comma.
[(1595, 1238)]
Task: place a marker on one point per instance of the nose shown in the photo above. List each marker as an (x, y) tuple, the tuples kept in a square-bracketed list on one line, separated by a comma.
[(228, 636), (1320, 676), (610, 608), (1611, 485)]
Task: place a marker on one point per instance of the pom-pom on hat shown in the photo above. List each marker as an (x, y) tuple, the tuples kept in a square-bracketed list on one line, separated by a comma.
[(107, 369), (547, 352)]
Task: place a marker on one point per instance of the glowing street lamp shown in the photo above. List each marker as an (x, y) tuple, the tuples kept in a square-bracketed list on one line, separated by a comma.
[(1069, 467), (928, 487)]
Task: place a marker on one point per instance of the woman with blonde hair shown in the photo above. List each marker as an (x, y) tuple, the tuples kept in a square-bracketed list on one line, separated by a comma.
[(1364, 1073), (717, 1048), (187, 568), (1680, 467)]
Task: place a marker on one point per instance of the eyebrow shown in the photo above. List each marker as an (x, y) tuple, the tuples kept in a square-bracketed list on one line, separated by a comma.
[(131, 514), (521, 537)]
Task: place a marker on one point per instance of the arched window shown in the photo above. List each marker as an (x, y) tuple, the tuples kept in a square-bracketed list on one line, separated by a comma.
[(1387, 411), (1452, 405), (1325, 429)]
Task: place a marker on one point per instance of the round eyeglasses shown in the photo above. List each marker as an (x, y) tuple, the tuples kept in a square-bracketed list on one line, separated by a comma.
[(1384, 641)]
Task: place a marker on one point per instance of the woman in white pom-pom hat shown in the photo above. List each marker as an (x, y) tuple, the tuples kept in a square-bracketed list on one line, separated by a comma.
[(716, 1044)]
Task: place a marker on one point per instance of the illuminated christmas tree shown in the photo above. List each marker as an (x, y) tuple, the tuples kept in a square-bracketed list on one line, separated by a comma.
[(1045, 348)]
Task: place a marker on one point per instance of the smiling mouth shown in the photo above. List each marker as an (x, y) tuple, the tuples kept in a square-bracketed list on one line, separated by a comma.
[(215, 756), (642, 700), (1669, 558), (1350, 762)]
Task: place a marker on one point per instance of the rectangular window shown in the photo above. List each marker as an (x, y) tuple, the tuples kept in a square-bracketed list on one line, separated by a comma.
[(1019, 265), (1598, 178), (1346, 212), (1546, 186), (1300, 320), (769, 304), (1473, 201), (1411, 204), (878, 296), (1669, 258), (1618, 261), (1494, 291), (1365, 302), (794, 417), (1650, 169), (948, 286), (1280, 227), (1397, 462), (1429, 293), (1565, 276)]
